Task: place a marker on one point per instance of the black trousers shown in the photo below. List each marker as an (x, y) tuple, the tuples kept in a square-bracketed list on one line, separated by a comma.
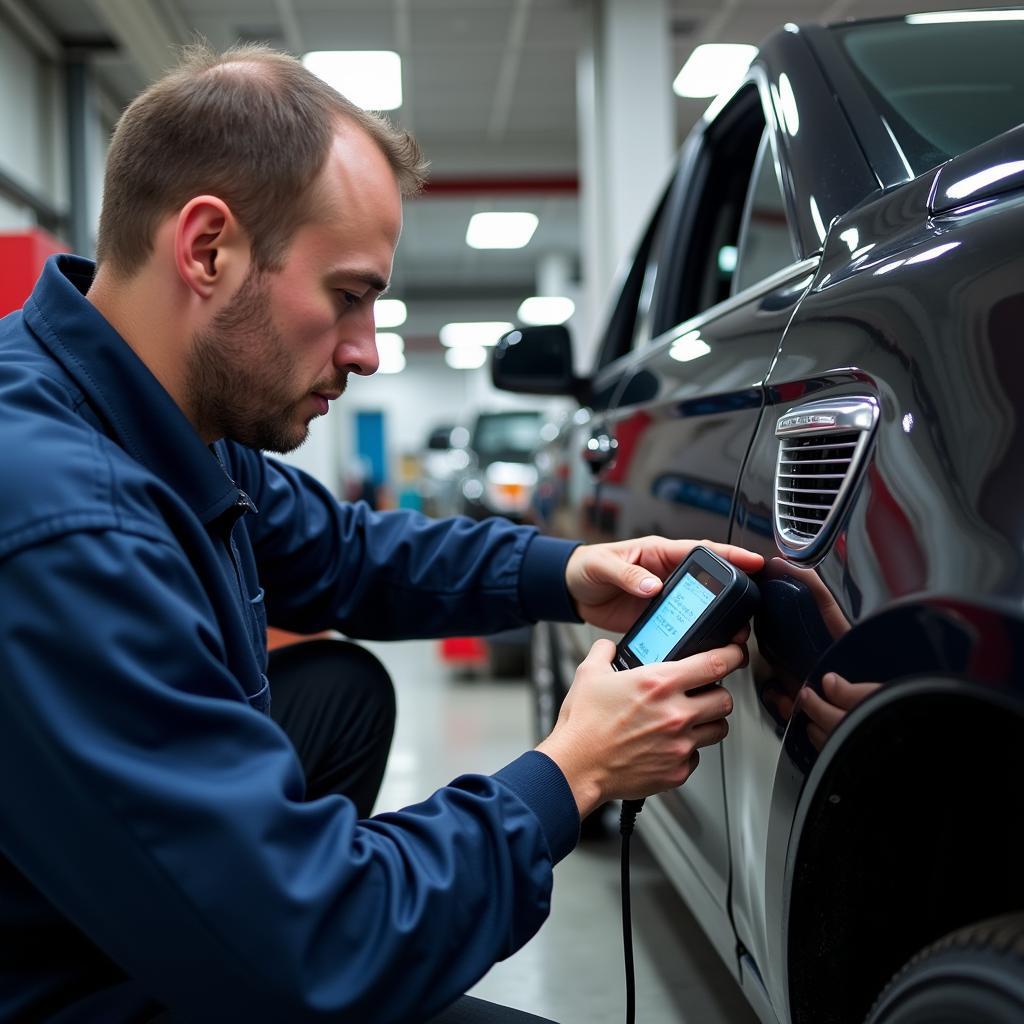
[(336, 703)]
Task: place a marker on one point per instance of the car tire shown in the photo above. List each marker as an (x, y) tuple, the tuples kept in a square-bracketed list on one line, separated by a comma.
[(546, 687), (974, 975), (549, 689), (507, 661)]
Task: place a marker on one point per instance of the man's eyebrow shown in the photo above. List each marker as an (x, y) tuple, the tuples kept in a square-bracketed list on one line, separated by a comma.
[(374, 280)]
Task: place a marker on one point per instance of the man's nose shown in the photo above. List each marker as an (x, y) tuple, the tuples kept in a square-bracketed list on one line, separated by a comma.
[(357, 349)]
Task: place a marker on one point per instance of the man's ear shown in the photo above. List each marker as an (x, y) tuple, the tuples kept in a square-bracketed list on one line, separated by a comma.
[(210, 247)]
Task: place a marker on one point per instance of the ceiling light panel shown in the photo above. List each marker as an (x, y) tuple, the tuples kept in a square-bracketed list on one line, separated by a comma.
[(500, 230), (466, 357), (546, 309), (372, 79), (389, 313), (475, 334), (390, 352), (713, 68)]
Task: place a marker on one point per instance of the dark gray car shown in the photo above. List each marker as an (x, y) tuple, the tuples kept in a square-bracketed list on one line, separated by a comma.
[(819, 354)]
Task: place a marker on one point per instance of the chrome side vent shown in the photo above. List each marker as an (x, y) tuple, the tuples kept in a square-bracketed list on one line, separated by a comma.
[(821, 448)]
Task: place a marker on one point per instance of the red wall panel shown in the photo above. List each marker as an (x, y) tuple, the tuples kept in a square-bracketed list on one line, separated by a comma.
[(22, 256)]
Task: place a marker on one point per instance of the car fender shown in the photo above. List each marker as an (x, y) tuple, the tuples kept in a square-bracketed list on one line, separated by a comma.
[(937, 749)]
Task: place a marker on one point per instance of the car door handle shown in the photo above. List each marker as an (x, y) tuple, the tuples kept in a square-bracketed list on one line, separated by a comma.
[(600, 451)]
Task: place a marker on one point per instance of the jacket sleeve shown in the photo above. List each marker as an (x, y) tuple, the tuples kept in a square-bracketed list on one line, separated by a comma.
[(393, 575), (164, 817)]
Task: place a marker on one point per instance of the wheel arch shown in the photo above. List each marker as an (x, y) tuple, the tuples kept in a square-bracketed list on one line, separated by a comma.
[(911, 832), (906, 825)]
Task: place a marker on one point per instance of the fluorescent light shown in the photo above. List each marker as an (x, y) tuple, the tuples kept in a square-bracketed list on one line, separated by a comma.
[(546, 309), (389, 312), (713, 68), (727, 259), (947, 17), (500, 230), (466, 357), (690, 346), (371, 79), (484, 332), (391, 352)]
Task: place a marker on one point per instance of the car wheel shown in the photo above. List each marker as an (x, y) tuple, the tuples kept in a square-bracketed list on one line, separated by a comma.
[(507, 661), (972, 976), (545, 681), (549, 690)]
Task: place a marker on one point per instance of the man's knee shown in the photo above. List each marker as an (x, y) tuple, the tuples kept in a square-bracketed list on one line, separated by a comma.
[(354, 675)]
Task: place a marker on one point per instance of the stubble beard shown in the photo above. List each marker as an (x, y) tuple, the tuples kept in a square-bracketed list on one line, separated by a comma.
[(239, 379)]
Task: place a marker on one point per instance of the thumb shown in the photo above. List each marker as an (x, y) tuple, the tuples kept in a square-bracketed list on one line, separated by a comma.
[(601, 653), (633, 579)]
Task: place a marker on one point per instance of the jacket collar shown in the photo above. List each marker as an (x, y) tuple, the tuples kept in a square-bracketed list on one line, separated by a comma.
[(135, 408)]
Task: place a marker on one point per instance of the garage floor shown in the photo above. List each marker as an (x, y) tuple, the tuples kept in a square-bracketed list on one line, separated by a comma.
[(572, 970)]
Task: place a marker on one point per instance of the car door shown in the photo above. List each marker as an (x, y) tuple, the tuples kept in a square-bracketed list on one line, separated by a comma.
[(574, 464), (681, 422)]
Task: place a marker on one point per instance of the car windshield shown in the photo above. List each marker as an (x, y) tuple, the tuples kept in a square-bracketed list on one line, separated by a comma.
[(507, 436), (942, 86)]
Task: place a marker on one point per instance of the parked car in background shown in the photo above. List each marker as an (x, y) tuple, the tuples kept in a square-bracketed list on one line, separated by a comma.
[(443, 460), (817, 354), (484, 470), (500, 476)]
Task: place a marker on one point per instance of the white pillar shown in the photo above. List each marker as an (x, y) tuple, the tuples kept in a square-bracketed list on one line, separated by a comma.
[(554, 274), (624, 91)]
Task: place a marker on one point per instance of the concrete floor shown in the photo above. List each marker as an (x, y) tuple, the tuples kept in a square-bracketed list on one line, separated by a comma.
[(572, 970)]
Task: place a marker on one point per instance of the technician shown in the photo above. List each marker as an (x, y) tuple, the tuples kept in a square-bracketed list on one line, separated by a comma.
[(160, 852)]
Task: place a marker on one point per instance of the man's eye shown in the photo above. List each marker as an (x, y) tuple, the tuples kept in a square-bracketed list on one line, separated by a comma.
[(349, 298)]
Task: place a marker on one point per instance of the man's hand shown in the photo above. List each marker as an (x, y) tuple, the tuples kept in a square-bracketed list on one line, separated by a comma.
[(627, 735), (838, 698), (612, 583)]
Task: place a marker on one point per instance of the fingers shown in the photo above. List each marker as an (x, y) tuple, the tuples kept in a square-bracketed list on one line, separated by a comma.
[(710, 666), (824, 715), (711, 706), (710, 733), (742, 558), (694, 672), (843, 693)]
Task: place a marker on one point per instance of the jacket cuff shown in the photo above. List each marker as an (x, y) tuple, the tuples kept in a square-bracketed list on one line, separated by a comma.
[(543, 594), (540, 784)]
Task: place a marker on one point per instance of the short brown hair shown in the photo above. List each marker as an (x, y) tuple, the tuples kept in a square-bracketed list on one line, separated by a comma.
[(251, 126)]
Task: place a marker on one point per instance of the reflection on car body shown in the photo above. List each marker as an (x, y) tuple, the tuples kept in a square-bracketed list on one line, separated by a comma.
[(843, 231)]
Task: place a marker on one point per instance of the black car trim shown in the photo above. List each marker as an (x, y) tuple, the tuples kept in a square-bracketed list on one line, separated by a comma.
[(878, 146)]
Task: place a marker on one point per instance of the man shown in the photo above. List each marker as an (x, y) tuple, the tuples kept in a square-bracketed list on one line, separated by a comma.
[(160, 846)]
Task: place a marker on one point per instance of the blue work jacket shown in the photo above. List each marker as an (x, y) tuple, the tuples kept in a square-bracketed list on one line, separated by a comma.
[(155, 847)]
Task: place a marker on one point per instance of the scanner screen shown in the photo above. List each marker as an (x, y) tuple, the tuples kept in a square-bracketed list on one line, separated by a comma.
[(676, 614)]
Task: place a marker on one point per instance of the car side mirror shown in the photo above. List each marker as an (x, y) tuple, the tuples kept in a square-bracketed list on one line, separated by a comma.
[(536, 361)]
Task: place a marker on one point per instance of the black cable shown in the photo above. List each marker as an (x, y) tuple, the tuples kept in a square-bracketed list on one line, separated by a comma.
[(627, 819)]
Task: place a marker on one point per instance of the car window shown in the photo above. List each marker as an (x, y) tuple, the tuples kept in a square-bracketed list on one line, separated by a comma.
[(629, 321), (642, 321), (506, 435), (766, 243), (701, 258), (941, 86)]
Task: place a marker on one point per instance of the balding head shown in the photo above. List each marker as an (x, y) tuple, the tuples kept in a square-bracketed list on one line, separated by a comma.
[(250, 126)]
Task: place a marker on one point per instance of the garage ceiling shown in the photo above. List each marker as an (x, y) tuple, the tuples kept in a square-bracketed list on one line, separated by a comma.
[(489, 90)]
